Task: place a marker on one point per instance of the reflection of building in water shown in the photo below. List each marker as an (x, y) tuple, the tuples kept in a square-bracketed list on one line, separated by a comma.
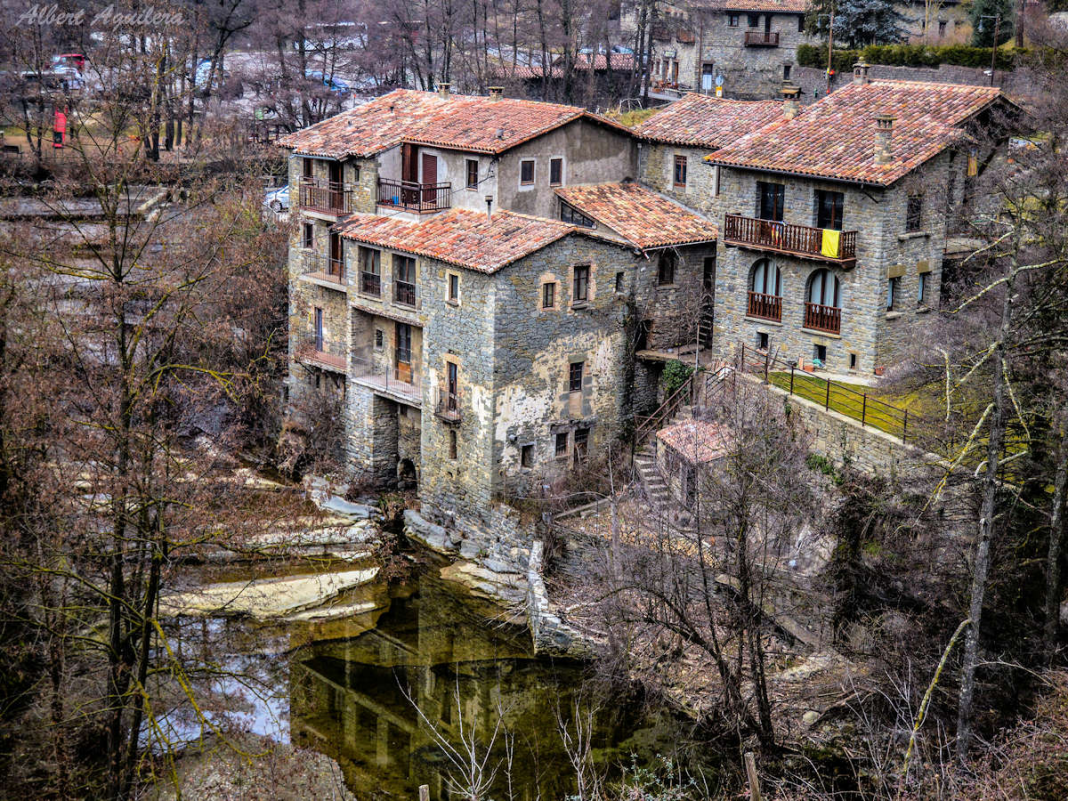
[(348, 699)]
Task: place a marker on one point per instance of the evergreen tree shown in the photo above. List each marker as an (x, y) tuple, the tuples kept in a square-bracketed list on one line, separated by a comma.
[(859, 22), (983, 29)]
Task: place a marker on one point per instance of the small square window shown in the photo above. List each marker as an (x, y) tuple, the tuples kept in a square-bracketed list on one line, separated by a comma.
[(548, 296), (680, 171), (556, 171), (472, 173), (526, 172), (819, 353), (308, 238), (619, 283), (526, 456), (574, 377), (852, 361), (454, 288), (561, 445), (762, 340), (914, 213), (581, 292)]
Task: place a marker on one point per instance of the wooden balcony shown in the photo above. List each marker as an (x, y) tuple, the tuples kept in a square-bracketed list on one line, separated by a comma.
[(823, 318), (766, 307), (414, 197), (792, 240), (324, 197), (311, 353), (761, 38)]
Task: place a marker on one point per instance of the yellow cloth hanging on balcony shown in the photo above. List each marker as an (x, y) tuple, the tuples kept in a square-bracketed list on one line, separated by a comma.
[(831, 240)]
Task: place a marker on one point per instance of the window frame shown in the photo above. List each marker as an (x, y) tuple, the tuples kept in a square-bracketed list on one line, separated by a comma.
[(733, 20), (404, 265), (548, 292), (526, 456), (561, 445), (375, 257), (680, 162), (452, 282), (914, 213), (893, 291), (556, 163), (779, 193), (469, 163), (921, 289), (580, 446), (752, 20), (575, 375), (801, 24), (307, 236), (667, 267), (533, 172), (770, 269), (582, 299), (837, 209), (572, 216)]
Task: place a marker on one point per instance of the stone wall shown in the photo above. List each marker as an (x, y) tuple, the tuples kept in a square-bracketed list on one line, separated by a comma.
[(672, 312), (657, 170), (813, 81)]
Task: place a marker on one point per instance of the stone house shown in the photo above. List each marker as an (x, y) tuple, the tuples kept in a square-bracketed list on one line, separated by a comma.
[(686, 453), (835, 220)]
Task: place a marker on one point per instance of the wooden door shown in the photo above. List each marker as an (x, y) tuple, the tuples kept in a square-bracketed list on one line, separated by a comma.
[(409, 174), (404, 352), (336, 266), (430, 178)]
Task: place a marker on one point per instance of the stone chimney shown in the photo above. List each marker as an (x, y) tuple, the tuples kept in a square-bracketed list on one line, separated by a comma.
[(791, 103), (860, 73), (443, 90), (496, 92), (884, 134)]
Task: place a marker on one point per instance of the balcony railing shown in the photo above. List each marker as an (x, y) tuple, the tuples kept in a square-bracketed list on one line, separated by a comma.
[(370, 283), (410, 196), (325, 268), (310, 350), (766, 307), (448, 406), (386, 375), (326, 197), (823, 318), (404, 293), (761, 38), (794, 240)]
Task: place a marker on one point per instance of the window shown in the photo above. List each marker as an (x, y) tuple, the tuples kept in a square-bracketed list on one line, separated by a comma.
[(581, 291), (379, 338), (852, 361), (404, 280), (893, 286), (914, 213), (452, 386), (819, 353), (772, 198), (921, 291), (548, 296), (454, 288), (762, 340), (753, 20), (715, 180), (556, 171), (829, 207), (370, 271), (526, 172), (574, 377), (800, 24), (680, 171), (308, 237), (454, 444), (786, 71), (561, 445), (582, 443), (766, 278), (570, 214), (941, 28), (308, 170), (526, 456), (665, 270), (318, 328), (619, 283), (823, 288), (732, 20), (472, 173)]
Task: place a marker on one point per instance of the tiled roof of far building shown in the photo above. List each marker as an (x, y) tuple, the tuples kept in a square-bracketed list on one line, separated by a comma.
[(704, 121), (781, 6), (697, 441), (835, 137), (466, 238), (462, 122), (639, 215)]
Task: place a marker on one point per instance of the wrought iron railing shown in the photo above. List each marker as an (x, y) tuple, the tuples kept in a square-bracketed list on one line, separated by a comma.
[(404, 293), (370, 283), (327, 197), (448, 405), (398, 377), (800, 240), (412, 196)]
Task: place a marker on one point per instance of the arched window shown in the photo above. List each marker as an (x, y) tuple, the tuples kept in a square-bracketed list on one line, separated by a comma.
[(766, 279), (765, 290), (823, 289)]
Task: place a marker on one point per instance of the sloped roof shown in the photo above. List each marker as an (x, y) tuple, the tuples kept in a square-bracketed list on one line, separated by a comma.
[(462, 122), (712, 122), (643, 217), (697, 441), (460, 236), (781, 6), (835, 137)]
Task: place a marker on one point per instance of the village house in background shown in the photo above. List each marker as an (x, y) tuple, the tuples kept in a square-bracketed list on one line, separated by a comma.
[(492, 287)]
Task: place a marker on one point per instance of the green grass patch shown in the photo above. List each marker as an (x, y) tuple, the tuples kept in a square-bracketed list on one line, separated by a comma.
[(632, 118), (846, 399)]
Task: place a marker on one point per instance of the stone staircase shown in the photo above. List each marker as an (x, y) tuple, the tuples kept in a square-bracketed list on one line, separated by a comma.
[(653, 481)]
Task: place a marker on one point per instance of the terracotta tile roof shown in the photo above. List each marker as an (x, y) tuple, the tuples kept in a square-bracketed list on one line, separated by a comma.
[(835, 137), (781, 6), (460, 236), (696, 441), (462, 122), (641, 216), (621, 62), (712, 122)]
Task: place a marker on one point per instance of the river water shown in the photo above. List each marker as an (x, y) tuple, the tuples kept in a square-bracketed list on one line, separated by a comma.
[(393, 691)]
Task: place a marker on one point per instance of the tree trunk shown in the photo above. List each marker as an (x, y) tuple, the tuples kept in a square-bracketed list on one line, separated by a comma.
[(1054, 581)]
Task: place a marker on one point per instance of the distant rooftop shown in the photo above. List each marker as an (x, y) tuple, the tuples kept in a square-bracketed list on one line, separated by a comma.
[(834, 137), (641, 216), (703, 121), (781, 6), (461, 122), (466, 238)]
